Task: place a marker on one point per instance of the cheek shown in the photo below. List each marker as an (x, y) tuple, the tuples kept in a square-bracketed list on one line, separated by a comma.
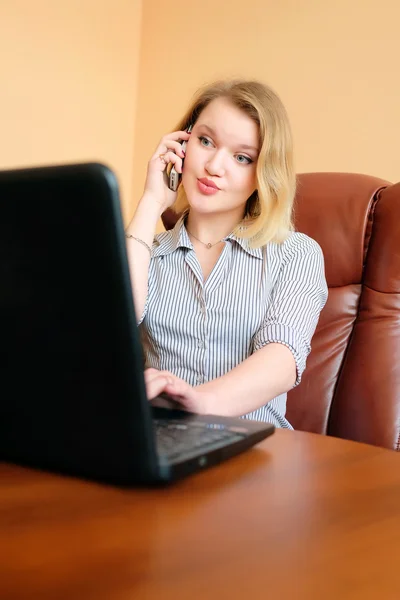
[(246, 182)]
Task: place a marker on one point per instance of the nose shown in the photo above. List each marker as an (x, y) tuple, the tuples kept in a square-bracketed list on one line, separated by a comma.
[(215, 164)]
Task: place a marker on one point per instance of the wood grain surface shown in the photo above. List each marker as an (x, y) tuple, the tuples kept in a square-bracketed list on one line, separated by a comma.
[(300, 516)]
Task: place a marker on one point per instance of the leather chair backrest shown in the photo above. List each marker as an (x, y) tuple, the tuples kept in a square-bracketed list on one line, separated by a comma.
[(351, 387), (366, 405)]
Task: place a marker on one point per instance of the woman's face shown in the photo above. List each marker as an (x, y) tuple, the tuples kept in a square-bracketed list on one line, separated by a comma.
[(219, 173)]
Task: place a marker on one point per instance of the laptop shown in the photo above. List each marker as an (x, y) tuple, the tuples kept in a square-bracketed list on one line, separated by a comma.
[(73, 398)]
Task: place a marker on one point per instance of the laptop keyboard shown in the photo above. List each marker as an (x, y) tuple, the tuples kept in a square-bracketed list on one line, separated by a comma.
[(177, 439)]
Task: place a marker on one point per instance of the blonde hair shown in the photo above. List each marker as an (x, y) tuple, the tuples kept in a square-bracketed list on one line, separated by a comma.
[(268, 216)]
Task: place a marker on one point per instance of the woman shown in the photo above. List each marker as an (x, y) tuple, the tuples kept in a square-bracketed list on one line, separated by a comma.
[(228, 300)]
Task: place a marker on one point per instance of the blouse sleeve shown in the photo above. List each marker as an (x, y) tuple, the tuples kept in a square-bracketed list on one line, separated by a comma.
[(297, 298)]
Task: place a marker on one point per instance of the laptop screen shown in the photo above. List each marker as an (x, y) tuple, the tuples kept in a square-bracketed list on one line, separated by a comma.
[(69, 346)]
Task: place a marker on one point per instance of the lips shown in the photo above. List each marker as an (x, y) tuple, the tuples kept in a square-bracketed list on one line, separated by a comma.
[(207, 189), (208, 183)]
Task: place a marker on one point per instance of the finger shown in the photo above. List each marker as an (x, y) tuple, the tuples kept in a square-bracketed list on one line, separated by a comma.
[(176, 136), (178, 388), (182, 393), (150, 374), (172, 141), (156, 386), (151, 370), (168, 158), (171, 146)]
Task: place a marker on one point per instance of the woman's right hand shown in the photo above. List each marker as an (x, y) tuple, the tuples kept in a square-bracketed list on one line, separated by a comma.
[(168, 151)]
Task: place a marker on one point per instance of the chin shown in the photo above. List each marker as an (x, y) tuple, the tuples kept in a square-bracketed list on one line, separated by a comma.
[(201, 203), (202, 209)]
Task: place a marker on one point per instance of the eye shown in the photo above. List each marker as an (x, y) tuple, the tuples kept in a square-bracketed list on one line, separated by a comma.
[(205, 141), (244, 160)]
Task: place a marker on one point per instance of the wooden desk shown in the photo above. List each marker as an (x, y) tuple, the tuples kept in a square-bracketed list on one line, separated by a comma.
[(300, 517)]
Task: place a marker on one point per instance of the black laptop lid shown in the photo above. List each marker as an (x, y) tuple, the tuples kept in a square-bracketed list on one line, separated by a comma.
[(71, 370)]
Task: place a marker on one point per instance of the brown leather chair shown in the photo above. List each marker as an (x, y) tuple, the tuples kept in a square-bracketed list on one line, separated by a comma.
[(351, 386)]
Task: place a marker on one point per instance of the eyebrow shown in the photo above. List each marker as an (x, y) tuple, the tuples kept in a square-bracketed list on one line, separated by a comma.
[(243, 146)]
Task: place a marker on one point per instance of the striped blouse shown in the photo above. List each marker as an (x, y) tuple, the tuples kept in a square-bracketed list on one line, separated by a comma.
[(201, 330)]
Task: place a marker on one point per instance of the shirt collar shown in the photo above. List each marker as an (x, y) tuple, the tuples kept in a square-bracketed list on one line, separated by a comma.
[(245, 244), (169, 241)]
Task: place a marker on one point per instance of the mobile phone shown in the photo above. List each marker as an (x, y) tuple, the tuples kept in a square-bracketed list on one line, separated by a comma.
[(174, 176)]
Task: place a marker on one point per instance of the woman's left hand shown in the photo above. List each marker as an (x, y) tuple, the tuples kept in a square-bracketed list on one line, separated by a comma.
[(192, 399)]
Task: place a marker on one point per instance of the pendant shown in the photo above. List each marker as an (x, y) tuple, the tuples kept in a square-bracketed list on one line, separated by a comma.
[(209, 245)]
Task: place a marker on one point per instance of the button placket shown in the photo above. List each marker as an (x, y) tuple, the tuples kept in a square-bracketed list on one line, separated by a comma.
[(202, 341)]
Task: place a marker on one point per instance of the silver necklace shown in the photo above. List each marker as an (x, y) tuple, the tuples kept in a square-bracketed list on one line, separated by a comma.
[(204, 244)]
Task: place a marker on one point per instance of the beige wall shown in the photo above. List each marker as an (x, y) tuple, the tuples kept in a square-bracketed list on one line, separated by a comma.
[(335, 65), (68, 83), (75, 79)]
